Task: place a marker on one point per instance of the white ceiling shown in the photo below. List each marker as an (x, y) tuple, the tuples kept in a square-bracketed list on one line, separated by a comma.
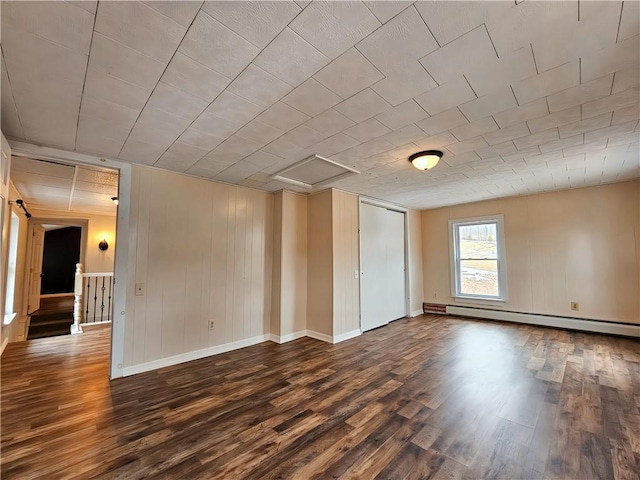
[(522, 96), (65, 188)]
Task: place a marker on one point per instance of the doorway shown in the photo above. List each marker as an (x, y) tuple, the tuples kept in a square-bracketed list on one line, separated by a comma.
[(383, 282)]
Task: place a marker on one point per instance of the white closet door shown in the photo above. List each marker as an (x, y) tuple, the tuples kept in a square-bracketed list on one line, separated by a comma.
[(396, 288), (382, 266), (373, 267)]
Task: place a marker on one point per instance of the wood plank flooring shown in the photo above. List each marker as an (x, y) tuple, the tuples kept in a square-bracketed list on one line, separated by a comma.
[(429, 397)]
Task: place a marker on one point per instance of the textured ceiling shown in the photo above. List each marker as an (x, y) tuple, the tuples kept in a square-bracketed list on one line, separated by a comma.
[(522, 96), (66, 188)]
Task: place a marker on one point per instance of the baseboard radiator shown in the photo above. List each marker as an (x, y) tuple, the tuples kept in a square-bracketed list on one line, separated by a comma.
[(595, 326), (434, 308)]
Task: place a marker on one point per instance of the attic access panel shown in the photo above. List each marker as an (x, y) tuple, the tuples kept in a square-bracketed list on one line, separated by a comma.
[(314, 172)]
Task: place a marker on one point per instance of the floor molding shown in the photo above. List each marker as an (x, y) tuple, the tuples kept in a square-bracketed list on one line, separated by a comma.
[(319, 336), (194, 355), (416, 313), (4, 345), (288, 337), (549, 321), (346, 336)]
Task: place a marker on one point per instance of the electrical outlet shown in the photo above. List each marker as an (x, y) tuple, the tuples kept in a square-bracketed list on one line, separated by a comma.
[(212, 324), (139, 289), (575, 306)]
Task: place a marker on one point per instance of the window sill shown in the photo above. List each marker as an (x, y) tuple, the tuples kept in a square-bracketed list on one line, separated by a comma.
[(497, 302), (8, 318)]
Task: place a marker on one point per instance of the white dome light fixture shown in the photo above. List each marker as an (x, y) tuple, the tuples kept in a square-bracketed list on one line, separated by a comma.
[(426, 160)]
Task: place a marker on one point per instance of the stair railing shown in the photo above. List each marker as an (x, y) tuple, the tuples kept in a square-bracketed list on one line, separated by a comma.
[(93, 301)]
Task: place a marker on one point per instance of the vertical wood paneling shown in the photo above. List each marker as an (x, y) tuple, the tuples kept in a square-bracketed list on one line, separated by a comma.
[(201, 251), (346, 294), (415, 261), (574, 245)]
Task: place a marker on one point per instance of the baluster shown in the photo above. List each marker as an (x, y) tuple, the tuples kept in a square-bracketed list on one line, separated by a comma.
[(95, 299), (109, 308), (102, 302), (86, 314)]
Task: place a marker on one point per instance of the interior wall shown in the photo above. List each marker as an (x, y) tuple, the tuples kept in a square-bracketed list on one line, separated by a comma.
[(576, 245), (320, 264), (276, 270), (99, 227), (414, 240), (202, 251), (294, 264), (346, 261)]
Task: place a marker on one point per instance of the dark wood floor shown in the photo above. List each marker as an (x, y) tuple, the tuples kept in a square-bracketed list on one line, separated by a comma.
[(430, 397)]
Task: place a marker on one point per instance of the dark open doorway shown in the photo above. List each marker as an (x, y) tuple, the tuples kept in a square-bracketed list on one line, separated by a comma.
[(61, 253)]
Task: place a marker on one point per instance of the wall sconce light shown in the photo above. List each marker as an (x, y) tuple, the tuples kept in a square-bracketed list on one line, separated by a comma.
[(115, 200), (103, 245), (20, 204)]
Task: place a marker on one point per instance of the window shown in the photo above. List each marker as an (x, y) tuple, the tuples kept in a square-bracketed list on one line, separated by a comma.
[(11, 268), (478, 259)]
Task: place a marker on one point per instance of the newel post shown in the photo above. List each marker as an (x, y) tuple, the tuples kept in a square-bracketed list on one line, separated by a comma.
[(77, 301)]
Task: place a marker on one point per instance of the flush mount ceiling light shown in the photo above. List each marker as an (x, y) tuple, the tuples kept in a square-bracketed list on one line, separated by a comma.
[(426, 160)]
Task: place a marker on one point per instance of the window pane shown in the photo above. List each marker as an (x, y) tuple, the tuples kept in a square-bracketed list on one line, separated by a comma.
[(478, 241), (479, 277)]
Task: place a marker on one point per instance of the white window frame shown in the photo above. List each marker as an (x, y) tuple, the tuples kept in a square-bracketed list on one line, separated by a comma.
[(454, 255)]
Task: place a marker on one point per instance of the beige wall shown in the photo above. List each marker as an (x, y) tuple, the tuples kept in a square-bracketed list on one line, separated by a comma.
[(99, 227), (575, 245), (320, 264), (289, 304), (414, 240), (203, 251), (346, 261)]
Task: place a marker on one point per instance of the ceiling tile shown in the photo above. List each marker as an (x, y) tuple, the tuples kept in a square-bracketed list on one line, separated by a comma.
[(290, 58), (443, 121), (282, 148), (375, 146), (467, 146), (408, 134), (282, 116), (182, 12), (404, 114), (311, 98), (199, 139), (233, 108), (610, 103), (363, 106), (140, 27), (399, 42), (463, 54), (142, 153), (334, 144), (555, 119), (498, 72), (562, 143), (620, 56), (584, 126), (497, 149), (334, 27), (112, 58), (216, 126), (475, 128), (236, 146), (302, 136), (436, 141), (367, 130), (536, 139), (10, 121), (522, 113), (348, 74), (59, 22), (598, 88), (176, 102), (259, 132), (215, 46), (448, 21), (498, 101), (406, 83), (194, 78), (629, 21), (625, 79), (180, 156), (446, 96), (626, 114), (329, 122), (551, 81), (112, 89), (506, 134), (385, 11), (259, 22), (259, 87)]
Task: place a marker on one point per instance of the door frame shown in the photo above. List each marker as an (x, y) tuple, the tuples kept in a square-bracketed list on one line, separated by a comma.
[(407, 287), (124, 278), (67, 222)]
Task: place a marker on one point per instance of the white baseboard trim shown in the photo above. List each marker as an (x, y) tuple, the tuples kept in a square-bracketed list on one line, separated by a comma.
[(416, 313), (4, 344), (320, 336), (346, 336), (549, 321), (195, 355), (76, 330), (288, 337)]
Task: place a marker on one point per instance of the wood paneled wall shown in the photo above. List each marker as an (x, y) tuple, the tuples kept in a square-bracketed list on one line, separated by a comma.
[(576, 245), (320, 264), (203, 251), (346, 261), (414, 261)]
